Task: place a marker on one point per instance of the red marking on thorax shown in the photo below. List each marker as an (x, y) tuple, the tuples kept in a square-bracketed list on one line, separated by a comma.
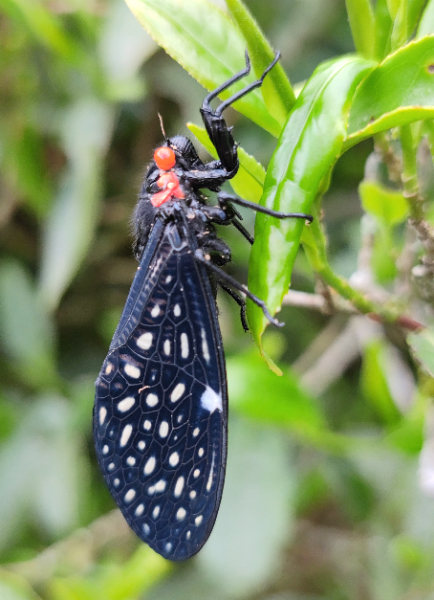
[(171, 188)]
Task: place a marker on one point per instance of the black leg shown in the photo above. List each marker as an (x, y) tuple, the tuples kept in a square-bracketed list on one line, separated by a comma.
[(200, 257), (219, 132), (214, 93), (240, 301), (248, 88), (225, 199)]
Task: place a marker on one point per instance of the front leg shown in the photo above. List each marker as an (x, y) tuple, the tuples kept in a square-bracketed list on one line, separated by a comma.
[(219, 132)]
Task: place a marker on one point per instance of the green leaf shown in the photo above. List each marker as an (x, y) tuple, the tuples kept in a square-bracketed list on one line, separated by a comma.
[(361, 20), (399, 91), (307, 149), (400, 26), (414, 13), (276, 89), (207, 44), (383, 29), (426, 25), (249, 180), (389, 206), (422, 344)]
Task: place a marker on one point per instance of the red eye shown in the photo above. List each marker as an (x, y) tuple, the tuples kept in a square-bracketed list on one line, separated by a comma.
[(165, 158)]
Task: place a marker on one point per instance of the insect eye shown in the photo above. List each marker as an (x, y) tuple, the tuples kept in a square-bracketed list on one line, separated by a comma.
[(165, 158)]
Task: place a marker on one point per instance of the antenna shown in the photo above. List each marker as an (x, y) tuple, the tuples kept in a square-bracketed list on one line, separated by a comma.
[(162, 127)]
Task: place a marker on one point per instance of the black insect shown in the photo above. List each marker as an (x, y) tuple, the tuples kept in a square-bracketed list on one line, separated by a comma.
[(160, 416)]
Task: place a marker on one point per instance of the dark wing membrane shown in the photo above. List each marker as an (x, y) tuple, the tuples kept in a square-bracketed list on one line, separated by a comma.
[(161, 401)]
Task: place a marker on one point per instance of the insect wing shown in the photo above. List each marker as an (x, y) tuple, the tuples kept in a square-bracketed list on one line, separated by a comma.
[(161, 401)]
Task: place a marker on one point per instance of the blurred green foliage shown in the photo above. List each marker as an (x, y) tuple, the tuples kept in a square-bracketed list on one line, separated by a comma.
[(329, 491)]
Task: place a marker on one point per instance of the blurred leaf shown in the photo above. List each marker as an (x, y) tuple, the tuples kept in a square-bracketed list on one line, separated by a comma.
[(15, 588), (255, 517), (361, 18), (385, 99), (46, 28), (426, 24), (383, 260), (374, 382), (258, 393), (136, 576), (307, 149), (276, 90), (125, 581), (39, 472), (24, 161), (207, 44), (389, 206), (123, 48), (86, 129), (250, 178), (422, 344), (27, 330)]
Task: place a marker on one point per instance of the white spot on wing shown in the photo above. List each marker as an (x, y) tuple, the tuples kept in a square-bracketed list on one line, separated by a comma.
[(201, 452), (211, 473), (174, 459), (168, 546), (139, 510), (166, 347), (141, 445), (102, 414), (168, 278), (210, 400), (179, 486), (125, 436), (188, 535), (155, 311), (205, 348), (145, 341), (184, 345), (193, 494), (160, 486), (109, 368), (156, 511), (130, 495), (152, 400), (111, 466), (131, 461), (164, 429), (196, 473), (181, 514), (105, 449), (126, 404), (196, 431), (132, 371), (177, 392), (146, 529), (150, 465), (116, 482), (147, 424), (177, 310), (198, 520)]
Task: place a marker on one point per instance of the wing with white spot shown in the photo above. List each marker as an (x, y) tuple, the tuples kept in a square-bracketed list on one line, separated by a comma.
[(161, 401)]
